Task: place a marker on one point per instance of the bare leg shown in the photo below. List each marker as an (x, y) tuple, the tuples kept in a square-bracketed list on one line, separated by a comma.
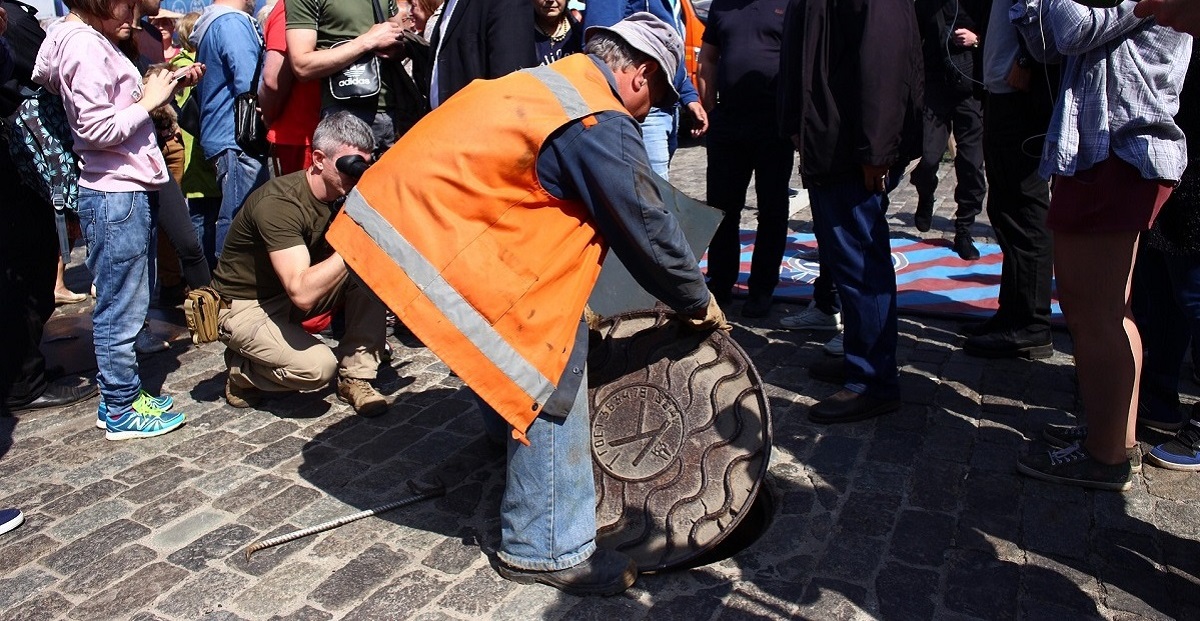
[(1094, 272)]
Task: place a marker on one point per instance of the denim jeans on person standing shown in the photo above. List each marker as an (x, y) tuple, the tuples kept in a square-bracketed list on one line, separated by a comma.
[(238, 175), (660, 133), (548, 514), (852, 225), (116, 226), (203, 211)]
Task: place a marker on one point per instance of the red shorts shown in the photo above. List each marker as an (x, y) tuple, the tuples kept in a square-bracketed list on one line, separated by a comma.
[(1110, 197)]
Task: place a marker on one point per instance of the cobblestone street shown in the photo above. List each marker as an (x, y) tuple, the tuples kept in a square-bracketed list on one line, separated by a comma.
[(915, 515)]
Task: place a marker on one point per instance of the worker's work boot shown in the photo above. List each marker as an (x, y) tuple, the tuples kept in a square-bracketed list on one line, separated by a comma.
[(241, 394), (605, 572), (361, 396)]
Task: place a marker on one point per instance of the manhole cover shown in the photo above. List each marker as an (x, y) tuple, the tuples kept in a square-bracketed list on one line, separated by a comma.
[(681, 436)]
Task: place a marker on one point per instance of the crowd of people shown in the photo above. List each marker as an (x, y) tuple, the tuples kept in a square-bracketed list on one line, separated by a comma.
[(420, 156)]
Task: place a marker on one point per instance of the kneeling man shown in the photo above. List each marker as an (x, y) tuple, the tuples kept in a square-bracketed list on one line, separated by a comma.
[(276, 270)]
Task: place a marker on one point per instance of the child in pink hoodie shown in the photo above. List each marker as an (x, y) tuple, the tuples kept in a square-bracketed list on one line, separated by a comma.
[(109, 110)]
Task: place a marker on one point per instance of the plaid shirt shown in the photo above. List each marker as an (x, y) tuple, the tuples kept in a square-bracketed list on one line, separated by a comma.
[(1121, 77)]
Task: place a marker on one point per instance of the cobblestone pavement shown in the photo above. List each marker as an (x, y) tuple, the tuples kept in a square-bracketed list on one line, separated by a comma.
[(915, 515)]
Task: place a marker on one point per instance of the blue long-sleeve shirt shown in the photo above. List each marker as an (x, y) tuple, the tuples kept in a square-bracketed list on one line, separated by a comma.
[(609, 12), (1121, 77), (227, 43), (605, 167)]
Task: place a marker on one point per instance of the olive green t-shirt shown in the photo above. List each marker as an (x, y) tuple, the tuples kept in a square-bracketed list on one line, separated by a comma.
[(281, 214), (336, 21)]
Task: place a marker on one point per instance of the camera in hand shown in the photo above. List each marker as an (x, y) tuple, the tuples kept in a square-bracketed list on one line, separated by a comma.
[(352, 165)]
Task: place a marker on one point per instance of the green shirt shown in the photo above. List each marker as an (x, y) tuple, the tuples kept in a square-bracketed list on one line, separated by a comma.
[(342, 20), (281, 214)]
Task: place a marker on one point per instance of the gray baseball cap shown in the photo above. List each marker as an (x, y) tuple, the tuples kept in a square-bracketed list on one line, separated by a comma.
[(654, 38)]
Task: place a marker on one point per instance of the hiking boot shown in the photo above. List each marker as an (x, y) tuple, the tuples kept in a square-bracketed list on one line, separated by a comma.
[(605, 572), (141, 419), (812, 318), (163, 403), (1074, 466), (964, 246), (241, 394), (836, 345), (361, 396), (1181, 453), (923, 218)]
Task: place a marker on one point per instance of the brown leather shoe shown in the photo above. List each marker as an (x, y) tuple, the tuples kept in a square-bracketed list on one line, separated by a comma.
[(361, 396)]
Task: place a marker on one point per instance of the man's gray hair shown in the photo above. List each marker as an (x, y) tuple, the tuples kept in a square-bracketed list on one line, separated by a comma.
[(343, 128), (614, 51)]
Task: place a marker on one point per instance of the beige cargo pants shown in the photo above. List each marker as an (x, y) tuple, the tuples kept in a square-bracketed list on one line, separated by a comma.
[(268, 348)]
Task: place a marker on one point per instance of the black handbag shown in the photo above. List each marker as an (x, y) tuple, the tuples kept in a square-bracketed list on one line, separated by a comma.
[(249, 131), (358, 81)]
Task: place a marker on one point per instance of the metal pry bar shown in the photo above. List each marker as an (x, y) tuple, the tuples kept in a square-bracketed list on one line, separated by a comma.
[(418, 495)]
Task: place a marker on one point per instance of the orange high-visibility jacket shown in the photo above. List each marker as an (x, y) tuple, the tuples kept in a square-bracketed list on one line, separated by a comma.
[(453, 231)]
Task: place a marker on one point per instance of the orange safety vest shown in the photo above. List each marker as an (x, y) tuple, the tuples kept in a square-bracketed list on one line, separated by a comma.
[(453, 231)]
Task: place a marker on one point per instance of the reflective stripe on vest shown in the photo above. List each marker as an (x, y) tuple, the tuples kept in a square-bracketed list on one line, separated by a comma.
[(458, 237), (457, 310)]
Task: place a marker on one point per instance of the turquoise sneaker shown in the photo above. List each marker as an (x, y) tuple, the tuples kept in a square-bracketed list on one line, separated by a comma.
[(163, 403), (142, 420)]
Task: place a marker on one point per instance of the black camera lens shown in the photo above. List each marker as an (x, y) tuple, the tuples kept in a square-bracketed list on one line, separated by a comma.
[(352, 165)]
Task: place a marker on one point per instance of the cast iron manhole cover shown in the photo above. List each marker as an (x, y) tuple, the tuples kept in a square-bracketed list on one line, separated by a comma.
[(681, 436)]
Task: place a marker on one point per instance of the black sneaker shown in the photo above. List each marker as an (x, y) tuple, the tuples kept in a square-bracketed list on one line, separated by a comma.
[(606, 572), (1062, 436), (964, 246), (1074, 466)]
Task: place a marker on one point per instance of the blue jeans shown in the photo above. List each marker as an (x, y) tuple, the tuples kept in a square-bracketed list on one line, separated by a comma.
[(203, 212), (660, 132), (548, 514), (238, 175), (851, 226), (117, 228)]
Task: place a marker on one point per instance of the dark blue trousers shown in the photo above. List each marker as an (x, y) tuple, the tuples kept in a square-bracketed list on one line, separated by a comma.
[(856, 253)]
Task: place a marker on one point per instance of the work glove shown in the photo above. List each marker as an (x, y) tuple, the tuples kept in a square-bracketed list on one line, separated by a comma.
[(712, 318)]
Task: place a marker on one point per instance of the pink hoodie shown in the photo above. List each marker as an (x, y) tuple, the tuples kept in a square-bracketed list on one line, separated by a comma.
[(100, 87)]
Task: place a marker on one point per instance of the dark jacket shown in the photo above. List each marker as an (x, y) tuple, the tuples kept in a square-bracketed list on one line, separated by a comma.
[(23, 38), (850, 85), (1177, 230), (483, 39), (947, 64)]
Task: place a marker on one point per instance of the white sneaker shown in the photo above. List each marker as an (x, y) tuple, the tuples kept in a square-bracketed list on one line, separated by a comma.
[(836, 345), (812, 318), (149, 343)]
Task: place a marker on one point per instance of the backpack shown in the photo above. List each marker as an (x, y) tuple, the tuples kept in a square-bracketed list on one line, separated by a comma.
[(41, 148)]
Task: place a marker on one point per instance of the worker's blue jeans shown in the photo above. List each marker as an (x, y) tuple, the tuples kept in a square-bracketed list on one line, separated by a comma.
[(548, 514), (852, 227)]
